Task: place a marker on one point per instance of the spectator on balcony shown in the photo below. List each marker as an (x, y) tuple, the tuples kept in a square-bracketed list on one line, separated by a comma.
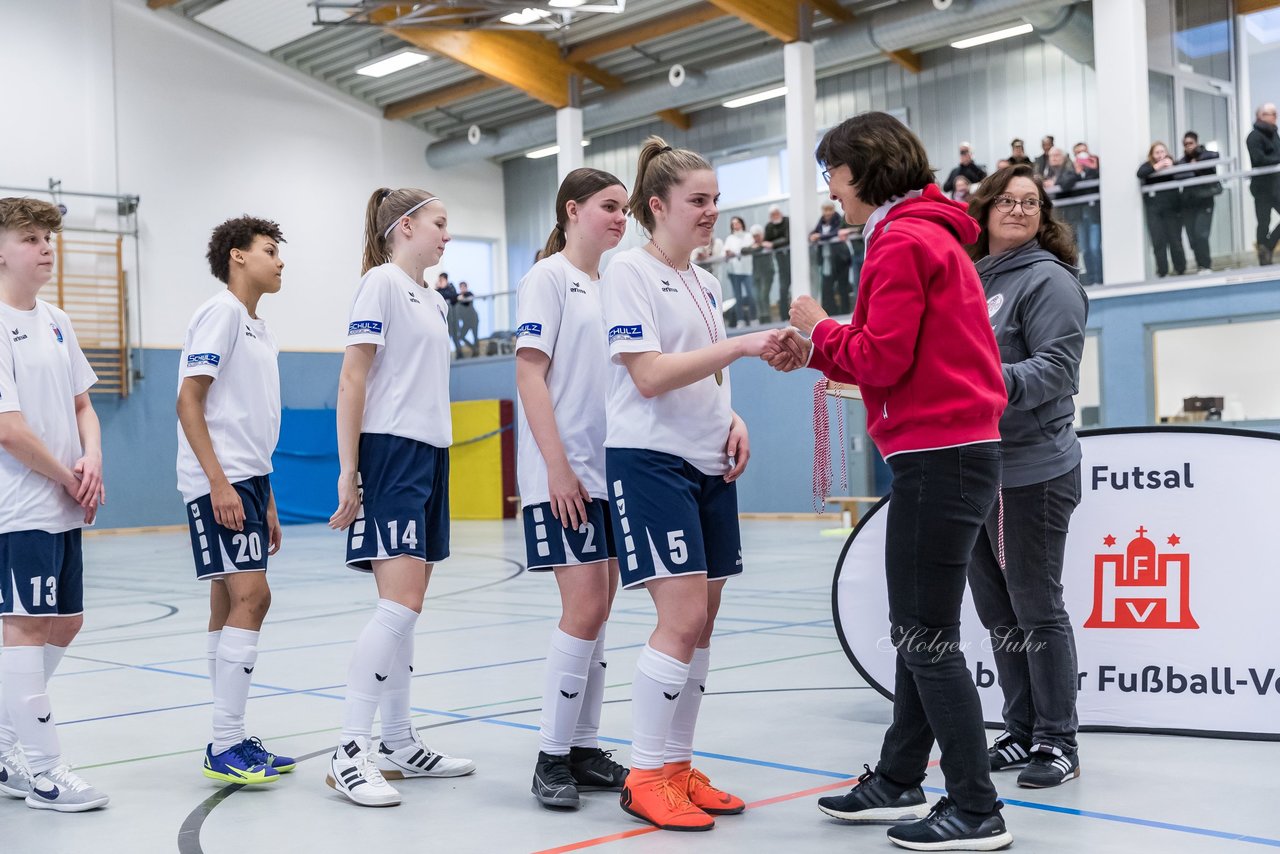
[(739, 269), (468, 320), (761, 271), (967, 169), (777, 239), (1089, 233), (962, 189), (1198, 200), (1042, 162), (1018, 153), (1264, 150), (1164, 211), (833, 258)]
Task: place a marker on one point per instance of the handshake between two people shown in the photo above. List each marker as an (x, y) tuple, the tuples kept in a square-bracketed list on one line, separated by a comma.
[(787, 349)]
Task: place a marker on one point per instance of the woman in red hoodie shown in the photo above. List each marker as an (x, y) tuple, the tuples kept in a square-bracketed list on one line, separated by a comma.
[(920, 347)]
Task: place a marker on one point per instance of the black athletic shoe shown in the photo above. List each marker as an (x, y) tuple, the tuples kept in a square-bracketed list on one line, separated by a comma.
[(945, 829), (1009, 751), (553, 783), (595, 771), (872, 800), (1049, 766)]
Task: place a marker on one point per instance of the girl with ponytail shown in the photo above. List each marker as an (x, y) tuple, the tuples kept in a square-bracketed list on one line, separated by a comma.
[(562, 370), (674, 448), (394, 432)]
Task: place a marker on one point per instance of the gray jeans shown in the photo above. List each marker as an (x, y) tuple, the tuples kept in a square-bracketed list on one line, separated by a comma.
[(1022, 608)]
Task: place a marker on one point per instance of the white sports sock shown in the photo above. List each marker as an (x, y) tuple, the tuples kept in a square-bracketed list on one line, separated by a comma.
[(586, 732), (393, 707), (660, 680), (564, 689), (52, 658), (26, 699), (371, 663), (237, 655), (211, 657), (680, 736)]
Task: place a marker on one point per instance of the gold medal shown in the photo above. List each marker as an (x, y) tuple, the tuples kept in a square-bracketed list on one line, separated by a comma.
[(719, 377)]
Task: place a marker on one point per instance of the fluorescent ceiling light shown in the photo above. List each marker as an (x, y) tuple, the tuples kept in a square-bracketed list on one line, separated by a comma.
[(526, 16), (391, 64), (539, 153), (565, 4), (986, 38), (756, 98)]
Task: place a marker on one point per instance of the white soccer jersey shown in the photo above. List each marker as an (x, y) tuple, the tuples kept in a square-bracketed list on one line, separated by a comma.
[(647, 308), (42, 369), (559, 311), (243, 405), (407, 391)]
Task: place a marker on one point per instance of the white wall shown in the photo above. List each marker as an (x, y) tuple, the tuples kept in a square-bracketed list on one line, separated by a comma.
[(203, 130), (1234, 360)]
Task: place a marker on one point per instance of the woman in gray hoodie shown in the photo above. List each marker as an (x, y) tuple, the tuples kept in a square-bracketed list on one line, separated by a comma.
[(1026, 261)]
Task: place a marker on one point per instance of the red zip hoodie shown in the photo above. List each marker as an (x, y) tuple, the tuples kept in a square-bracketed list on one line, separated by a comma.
[(920, 344)]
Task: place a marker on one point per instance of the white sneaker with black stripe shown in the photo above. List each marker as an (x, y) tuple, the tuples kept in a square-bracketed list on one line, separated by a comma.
[(354, 772), (418, 760), (1049, 766), (1009, 752)]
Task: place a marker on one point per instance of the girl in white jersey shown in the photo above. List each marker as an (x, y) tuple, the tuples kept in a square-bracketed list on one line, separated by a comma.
[(394, 432), (50, 486), (674, 448), (562, 371)]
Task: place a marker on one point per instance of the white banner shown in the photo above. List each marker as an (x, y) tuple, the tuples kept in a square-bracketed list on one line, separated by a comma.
[(1172, 582)]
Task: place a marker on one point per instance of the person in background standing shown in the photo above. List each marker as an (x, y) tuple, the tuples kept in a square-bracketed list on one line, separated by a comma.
[(1264, 150), (468, 320), (450, 294), (833, 259), (761, 272), (1164, 215), (739, 269), (1018, 153), (777, 239), (1089, 233), (962, 189), (1198, 200), (972, 172)]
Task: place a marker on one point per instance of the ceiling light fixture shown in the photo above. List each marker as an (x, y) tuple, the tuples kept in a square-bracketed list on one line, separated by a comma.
[(987, 38), (767, 95), (539, 153), (393, 63), (528, 15)]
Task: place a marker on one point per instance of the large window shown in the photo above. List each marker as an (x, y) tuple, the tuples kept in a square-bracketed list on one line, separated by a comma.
[(1089, 398), (1202, 39), (1225, 370), (744, 181)]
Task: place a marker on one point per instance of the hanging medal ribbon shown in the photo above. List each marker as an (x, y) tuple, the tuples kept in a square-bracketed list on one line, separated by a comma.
[(712, 331), (822, 468)]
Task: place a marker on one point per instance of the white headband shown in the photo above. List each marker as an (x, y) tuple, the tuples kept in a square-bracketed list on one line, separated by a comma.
[(409, 212)]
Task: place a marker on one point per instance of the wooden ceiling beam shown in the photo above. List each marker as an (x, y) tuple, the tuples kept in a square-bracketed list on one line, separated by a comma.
[(778, 18), (907, 59), (1248, 7), (676, 118), (646, 31), (439, 98), (161, 4), (835, 11)]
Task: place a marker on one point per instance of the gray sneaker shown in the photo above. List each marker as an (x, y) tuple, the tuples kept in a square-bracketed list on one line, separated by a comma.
[(61, 790), (15, 779)]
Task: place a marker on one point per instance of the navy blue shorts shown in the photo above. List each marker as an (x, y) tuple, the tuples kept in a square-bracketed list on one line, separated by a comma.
[(220, 551), (548, 544), (41, 574), (404, 502), (669, 518)]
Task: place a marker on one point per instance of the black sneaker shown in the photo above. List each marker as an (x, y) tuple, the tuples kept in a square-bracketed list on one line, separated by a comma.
[(1009, 751), (1049, 766), (946, 829), (553, 783), (595, 771), (873, 799)]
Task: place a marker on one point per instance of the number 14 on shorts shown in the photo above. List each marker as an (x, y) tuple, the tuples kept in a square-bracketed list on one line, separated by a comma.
[(402, 538)]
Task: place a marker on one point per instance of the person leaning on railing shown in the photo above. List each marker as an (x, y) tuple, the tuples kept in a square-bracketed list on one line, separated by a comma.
[(761, 272), (1264, 150), (1198, 200), (1164, 215), (1089, 220)]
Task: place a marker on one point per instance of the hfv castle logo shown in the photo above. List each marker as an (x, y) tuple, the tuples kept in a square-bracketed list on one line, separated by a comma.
[(1142, 588)]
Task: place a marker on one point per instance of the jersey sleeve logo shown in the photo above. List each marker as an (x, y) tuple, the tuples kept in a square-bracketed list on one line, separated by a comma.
[(365, 327), (57, 333), (532, 330), (211, 359), (625, 333)]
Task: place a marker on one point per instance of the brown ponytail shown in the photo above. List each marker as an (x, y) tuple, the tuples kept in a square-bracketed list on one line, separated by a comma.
[(385, 207), (659, 168), (578, 186)]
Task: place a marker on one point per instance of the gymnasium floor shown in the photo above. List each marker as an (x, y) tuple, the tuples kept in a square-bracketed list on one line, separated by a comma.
[(785, 719)]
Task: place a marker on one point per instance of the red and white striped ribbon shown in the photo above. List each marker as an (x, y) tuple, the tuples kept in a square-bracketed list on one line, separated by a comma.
[(822, 468)]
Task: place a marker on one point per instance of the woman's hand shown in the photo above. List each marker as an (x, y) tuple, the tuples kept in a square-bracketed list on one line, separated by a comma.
[(348, 502), (568, 496), (738, 448), (806, 314), (789, 352)]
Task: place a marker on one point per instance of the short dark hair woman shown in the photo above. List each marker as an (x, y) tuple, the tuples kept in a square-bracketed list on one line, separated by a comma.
[(1164, 211), (1026, 260), (921, 349)]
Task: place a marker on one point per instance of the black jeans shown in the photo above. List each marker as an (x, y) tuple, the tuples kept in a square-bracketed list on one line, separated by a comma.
[(1165, 227), (783, 261), (938, 503), (1197, 219), (1265, 200), (1021, 606)]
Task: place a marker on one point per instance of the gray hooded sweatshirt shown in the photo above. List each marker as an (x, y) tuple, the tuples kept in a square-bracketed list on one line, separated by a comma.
[(1038, 311)]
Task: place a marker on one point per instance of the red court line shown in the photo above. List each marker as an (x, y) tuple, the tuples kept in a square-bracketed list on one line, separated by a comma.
[(641, 831)]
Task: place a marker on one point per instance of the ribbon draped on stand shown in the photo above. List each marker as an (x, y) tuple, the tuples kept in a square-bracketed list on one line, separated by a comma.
[(822, 467)]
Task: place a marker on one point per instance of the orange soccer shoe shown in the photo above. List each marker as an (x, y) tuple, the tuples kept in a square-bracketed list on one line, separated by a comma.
[(650, 796), (700, 792)]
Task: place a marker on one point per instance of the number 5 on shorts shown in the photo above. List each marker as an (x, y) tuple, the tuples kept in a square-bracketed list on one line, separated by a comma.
[(679, 551)]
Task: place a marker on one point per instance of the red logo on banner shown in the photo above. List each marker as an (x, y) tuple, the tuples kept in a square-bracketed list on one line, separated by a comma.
[(1141, 589)]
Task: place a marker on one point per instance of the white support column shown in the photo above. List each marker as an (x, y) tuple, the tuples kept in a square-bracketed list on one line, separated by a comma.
[(802, 171), (1124, 134), (569, 138)]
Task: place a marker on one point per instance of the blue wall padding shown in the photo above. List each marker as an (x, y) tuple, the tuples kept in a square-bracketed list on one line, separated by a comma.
[(306, 466)]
